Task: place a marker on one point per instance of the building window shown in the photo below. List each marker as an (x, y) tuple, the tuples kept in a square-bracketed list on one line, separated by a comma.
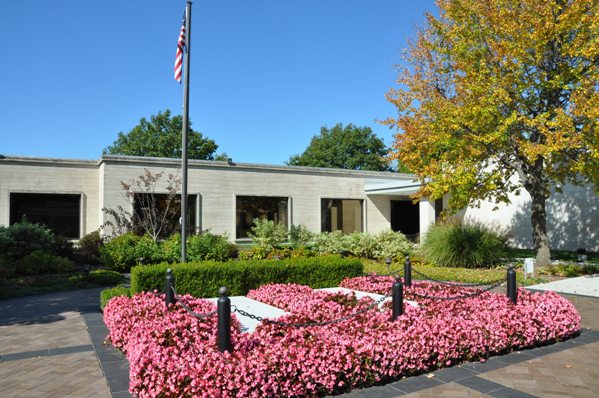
[(342, 214), (264, 207), (59, 212), (165, 215)]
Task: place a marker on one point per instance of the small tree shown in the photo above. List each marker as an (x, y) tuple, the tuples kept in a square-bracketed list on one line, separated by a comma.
[(153, 213)]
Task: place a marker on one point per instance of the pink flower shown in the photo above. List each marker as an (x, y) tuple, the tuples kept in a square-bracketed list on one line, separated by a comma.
[(173, 354)]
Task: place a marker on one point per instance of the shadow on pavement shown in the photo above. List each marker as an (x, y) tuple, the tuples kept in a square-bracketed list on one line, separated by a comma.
[(47, 308)]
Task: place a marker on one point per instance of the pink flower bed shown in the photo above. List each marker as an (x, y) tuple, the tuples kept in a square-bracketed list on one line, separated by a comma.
[(172, 354)]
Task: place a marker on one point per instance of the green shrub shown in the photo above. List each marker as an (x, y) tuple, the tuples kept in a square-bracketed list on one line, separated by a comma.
[(464, 244), (362, 244), (107, 294), (267, 234), (207, 246), (63, 247), (204, 279), (125, 251), (390, 244), (570, 270), (23, 238), (105, 277), (88, 249), (259, 253), (299, 235), (331, 243), (40, 262), (7, 266), (171, 248)]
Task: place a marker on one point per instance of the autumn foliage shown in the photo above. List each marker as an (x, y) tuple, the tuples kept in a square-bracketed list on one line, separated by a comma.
[(500, 95)]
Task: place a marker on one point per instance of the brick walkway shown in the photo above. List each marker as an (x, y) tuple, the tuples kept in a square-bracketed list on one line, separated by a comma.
[(45, 349), (51, 346)]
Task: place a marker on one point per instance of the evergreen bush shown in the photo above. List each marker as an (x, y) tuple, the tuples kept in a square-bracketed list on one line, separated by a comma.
[(23, 238), (7, 266), (205, 278), (88, 249), (41, 262)]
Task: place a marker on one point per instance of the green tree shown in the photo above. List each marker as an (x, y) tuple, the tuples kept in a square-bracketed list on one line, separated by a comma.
[(349, 147), (499, 96), (161, 137)]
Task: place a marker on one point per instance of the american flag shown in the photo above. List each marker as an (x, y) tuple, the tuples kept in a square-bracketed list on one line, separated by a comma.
[(181, 43)]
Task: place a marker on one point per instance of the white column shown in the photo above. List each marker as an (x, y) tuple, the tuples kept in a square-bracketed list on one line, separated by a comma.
[(427, 215)]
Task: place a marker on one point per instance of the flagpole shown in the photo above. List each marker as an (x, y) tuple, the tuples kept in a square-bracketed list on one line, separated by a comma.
[(185, 134)]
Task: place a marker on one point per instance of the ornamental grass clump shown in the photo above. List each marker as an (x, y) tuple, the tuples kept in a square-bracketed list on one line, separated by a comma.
[(173, 354), (465, 244)]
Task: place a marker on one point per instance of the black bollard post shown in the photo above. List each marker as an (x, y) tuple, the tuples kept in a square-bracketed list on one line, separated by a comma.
[(169, 297), (512, 292), (397, 298), (388, 261), (407, 272), (224, 321)]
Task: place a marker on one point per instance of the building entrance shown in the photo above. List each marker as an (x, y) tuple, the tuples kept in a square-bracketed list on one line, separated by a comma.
[(405, 218)]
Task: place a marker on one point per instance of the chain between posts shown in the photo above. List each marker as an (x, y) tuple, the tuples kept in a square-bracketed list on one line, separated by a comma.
[(470, 295), (309, 324), (458, 284), (189, 310)]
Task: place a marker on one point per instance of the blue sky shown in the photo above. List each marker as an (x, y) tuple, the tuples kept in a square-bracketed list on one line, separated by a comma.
[(265, 74)]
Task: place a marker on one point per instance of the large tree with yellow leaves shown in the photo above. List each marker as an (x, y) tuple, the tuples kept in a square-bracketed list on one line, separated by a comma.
[(500, 95)]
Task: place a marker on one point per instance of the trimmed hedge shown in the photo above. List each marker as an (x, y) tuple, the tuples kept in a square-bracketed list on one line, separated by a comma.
[(205, 278)]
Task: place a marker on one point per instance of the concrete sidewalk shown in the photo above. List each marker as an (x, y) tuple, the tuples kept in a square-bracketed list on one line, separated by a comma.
[(587, 285), (51, 346)]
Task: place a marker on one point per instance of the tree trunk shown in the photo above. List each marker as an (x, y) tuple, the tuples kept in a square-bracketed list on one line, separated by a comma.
[(538, 218), (531, 176)]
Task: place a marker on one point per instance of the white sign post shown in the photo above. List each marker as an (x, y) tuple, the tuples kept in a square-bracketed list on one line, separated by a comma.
[(529, 267)]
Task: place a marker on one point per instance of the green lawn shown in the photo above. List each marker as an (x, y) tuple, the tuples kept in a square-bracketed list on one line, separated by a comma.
[(469, 275)]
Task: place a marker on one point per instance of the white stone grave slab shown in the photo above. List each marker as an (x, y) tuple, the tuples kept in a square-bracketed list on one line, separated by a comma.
[(268, 311), (253, 307)]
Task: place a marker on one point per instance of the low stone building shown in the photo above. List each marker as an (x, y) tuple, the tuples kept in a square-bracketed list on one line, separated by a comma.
[(224, 197)]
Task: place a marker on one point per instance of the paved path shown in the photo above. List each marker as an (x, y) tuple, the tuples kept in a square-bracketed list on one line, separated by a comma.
[(587, 285), (45, 349), (51, 346)]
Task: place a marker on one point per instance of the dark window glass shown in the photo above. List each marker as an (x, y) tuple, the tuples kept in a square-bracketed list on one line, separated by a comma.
[(157, 205), (341, 214), (59, 212), (265, 207)]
